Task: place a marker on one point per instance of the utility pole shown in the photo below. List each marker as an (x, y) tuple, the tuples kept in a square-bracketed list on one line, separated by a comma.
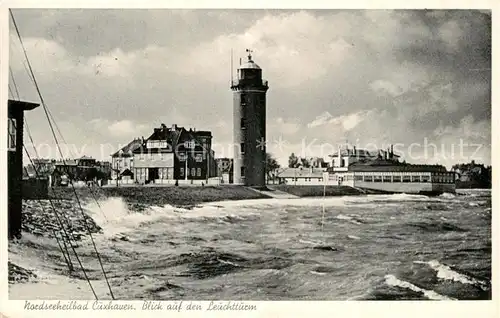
[(186, 165), (117, 173)]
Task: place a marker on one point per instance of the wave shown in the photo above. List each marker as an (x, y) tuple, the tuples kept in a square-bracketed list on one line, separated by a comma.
[(115, 217), (447, 195), (431, 226), (392, 280), (445, 272), (349, 218)]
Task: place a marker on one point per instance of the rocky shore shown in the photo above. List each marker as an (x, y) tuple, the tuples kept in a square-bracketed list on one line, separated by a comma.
[(17, 274), (39, 219)]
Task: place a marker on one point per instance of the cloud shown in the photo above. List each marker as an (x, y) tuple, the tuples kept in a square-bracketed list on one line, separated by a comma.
[(347, 122), (381, 76), (121, 128), (286, 127)]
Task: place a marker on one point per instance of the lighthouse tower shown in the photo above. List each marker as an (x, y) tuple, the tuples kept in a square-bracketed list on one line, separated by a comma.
[(249, 125)]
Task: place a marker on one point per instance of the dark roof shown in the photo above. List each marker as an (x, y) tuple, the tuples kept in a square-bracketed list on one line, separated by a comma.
[(127, 172), (171, 135), (15, 104), (130, 147), (387, 166)]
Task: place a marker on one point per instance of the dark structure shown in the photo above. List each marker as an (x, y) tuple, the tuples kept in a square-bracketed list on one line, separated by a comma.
[(249, 125), (15, 116)]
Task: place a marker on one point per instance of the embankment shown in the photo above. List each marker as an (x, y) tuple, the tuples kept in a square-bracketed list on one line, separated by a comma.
[(185, 197)]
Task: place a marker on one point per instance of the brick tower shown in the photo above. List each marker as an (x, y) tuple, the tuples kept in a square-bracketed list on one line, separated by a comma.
[(249, 125)]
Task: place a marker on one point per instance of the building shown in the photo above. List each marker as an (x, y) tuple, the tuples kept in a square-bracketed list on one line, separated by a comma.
[(249, 125), (15, 114), (175, 153), (381, 170), (343, 158), (122, 161), (44, 167), (225, 169), (303, 176), (81, 169)]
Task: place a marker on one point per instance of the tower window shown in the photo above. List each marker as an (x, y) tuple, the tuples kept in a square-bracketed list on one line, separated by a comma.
[(243, 99), (11, 143), (242, 123), (242, 147), (242, 171)]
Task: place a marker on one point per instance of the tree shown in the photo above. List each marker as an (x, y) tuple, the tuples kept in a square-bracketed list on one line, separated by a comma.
[(305, 163), (293, 161), (271, 165)]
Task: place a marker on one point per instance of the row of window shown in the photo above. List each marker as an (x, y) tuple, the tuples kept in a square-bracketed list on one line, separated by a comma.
[(189, 144), (405, 179), (182, 157), (307, 179), (194, 172)]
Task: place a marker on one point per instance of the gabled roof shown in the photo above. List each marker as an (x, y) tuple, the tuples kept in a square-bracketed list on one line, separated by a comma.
[(129, 148)]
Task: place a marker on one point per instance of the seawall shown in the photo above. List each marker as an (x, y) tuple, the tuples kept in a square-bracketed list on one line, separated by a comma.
[(181, 196)]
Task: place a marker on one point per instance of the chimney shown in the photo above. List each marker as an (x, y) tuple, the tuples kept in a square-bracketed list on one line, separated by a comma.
[(339, 158), (392, 151), (163, 126), (174, 127)]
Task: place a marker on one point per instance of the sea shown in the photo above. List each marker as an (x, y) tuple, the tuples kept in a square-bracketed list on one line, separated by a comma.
[(371, 247)]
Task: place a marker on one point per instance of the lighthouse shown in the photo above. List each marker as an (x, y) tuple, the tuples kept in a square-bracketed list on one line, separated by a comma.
[(249, 124)]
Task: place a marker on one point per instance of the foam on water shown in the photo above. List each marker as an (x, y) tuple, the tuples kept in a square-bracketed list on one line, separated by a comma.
[(318, 201), (392, 280), (446, 273), (113, 216), (353, 237), (347, 218), (311, 242)]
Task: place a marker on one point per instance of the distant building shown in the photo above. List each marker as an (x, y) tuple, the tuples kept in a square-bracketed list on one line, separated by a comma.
[(302, 176), (122, 161), (82, 169), (174, 153), (343, 158)]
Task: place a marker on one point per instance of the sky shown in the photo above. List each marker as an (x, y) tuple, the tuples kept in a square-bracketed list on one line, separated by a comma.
[(417, 79)]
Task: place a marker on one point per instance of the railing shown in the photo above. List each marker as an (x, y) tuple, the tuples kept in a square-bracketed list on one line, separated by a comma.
[(237, 82)]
